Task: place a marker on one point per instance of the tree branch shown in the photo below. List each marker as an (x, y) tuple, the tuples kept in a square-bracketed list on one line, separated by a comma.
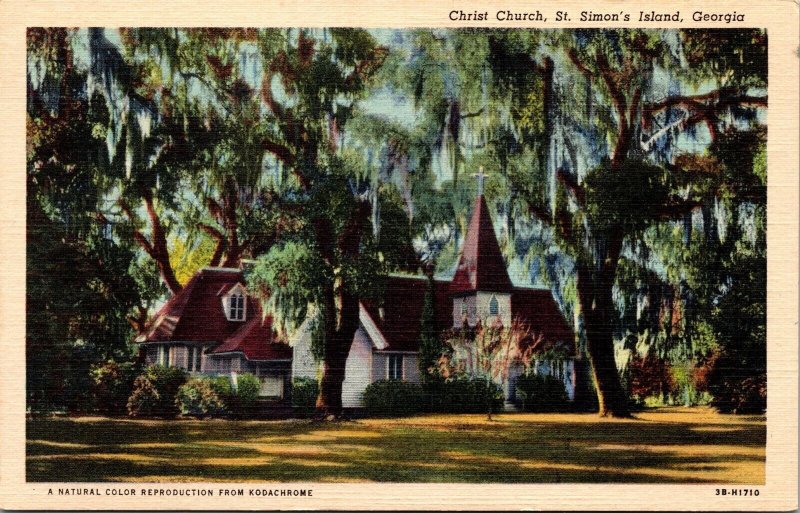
[(210, 230), (676, 208), (219, 250), (473, 114), (702, 108), (576, 61), (159, 245), (726, 96), (646, 145), (616, 95), (280, 151), (569, 181), (137, 235), (541, 214)]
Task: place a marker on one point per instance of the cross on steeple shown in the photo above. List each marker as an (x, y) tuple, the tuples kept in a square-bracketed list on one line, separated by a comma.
[(481, 176)]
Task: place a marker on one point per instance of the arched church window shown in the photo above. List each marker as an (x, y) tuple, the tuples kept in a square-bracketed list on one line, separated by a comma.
[(494, 307)]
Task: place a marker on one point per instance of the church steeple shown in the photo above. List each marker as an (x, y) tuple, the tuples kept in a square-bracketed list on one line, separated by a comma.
[(481, 267)]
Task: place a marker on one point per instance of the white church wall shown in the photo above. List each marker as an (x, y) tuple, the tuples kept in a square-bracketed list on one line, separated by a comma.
[(504, 307), (458, 313), (411, 368), (477, 306), (358, 370), (379, 366), (303, 364)]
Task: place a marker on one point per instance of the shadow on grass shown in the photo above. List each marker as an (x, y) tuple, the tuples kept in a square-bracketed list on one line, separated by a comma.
[(514, 449)]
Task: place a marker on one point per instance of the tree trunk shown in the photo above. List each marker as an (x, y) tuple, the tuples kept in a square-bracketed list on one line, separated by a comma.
[(158, 247), (338, 340), (341, 308), (597, 305), (329, 401), (233, 250)]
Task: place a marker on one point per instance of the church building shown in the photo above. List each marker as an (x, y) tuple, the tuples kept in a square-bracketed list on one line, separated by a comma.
[(213, 327)]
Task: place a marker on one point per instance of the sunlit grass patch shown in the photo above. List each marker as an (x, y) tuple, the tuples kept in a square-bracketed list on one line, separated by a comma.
[(668, 445)]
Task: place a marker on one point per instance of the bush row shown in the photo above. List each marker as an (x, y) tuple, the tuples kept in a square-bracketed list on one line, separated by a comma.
[(167, 391), (542, 393), (391, 398), (160, 391)]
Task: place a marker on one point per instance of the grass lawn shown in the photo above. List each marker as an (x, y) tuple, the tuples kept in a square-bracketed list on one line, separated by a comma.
[(667, 445)]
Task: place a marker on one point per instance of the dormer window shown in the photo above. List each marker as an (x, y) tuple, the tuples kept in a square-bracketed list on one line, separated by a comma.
[(236, 309), (494, 307), (234, 302)]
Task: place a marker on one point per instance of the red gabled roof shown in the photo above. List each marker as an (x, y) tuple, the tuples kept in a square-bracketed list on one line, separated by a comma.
[(404, 300), (195, 313), (255, 340), (539, 311), (481, 266)]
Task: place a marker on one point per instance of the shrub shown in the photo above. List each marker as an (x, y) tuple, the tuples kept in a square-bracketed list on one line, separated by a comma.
[(686, 390), (145, 400), (197, 397), (464, 395), (248, 387), (112, 384), (154, 391), (223, 387), (304, 395), (649, 376), (542, 393), (734, 387), (393, 398)]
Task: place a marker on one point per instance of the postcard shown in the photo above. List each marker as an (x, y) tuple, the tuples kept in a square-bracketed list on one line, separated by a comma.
[(374, 255)]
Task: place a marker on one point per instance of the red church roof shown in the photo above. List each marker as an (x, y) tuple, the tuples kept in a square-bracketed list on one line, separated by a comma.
[(196, 314), (481, 266), (404, 301)]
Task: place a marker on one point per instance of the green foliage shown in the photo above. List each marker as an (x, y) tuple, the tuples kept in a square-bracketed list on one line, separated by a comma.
[(112, 385), (304, 395), (145, 401), (198, 398), (60, 336), (155, 390), (463, 395), (394, 245), (738, 377), (736, 389), (542, 393), (686, 390), (290, 278), (392, 398), (248, 387), (223, 387), (629, 198), (649, 376), (188, 260), (737, 56), (431, 346)]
